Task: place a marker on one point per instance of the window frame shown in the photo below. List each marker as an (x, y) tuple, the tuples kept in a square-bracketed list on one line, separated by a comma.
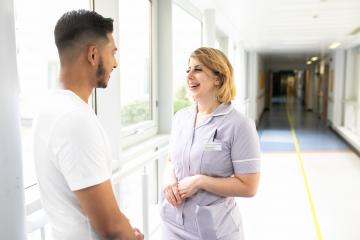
[(138, 132), (195, 13)]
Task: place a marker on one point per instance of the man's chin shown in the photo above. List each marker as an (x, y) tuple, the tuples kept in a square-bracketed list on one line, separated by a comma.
[(102, 84)]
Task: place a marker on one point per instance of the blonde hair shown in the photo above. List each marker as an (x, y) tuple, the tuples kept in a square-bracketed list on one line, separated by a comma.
[(218, 63)]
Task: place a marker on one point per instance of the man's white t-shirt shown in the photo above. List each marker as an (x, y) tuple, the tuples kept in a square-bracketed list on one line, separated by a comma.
[(71, 152)]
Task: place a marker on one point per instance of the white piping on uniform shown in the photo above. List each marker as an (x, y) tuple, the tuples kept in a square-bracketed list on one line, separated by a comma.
[(247, 160)]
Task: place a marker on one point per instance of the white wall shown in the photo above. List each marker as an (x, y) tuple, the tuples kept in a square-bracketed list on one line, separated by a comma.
[(256, 93), (12, 213), (345, 109), (240, 75)]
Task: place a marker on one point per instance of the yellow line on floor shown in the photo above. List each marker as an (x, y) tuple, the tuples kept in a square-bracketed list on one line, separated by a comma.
[(298, 152)]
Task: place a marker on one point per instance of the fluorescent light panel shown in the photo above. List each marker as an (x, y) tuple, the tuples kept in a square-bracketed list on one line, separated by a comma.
[(334, 45)]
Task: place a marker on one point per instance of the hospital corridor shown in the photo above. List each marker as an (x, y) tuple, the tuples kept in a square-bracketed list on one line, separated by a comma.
[(205, 119), (309, 177)]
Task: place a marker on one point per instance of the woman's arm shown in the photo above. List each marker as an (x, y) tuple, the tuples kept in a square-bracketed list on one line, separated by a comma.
[(243, 185), (170, 186)]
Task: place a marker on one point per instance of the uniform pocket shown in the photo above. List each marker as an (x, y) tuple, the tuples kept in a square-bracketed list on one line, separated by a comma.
[(216, 160), (217, 221)]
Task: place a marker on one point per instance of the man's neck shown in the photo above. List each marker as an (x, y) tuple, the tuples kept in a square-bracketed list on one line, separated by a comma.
[(77, 83)]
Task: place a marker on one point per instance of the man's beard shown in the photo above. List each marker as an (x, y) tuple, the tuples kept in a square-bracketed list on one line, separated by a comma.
[(100, 75)]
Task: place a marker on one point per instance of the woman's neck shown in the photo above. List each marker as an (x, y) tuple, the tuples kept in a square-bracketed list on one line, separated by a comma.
[(207, 107)]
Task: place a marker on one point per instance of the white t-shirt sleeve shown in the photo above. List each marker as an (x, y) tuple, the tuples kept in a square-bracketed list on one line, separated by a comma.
[(80, 150), (245, 149)]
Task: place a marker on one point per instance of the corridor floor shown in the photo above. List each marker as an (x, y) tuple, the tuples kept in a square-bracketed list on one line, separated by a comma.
[(310, 180)]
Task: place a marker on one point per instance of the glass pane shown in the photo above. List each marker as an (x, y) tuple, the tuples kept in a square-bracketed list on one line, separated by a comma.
[(186, 38), (38, 63), (134, 61)]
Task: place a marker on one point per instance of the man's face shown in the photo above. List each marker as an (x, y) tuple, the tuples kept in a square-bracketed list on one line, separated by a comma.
[(107, 62)]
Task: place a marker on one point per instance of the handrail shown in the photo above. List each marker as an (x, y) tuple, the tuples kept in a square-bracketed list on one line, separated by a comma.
[(125, 170), (137, 163)]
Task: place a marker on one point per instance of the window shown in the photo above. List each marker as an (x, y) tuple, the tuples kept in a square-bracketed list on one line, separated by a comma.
[(38, 63), (135, 64), (186, 38)]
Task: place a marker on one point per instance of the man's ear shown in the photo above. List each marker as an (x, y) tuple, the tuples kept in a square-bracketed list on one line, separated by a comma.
[(92, 54)]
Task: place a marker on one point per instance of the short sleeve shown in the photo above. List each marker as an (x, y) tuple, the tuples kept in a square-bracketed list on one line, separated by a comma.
[(80, 151), (245, 149), (173, 131), (175, 128)]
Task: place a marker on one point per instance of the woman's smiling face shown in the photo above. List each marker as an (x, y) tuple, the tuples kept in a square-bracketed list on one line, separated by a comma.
[(202, 82)]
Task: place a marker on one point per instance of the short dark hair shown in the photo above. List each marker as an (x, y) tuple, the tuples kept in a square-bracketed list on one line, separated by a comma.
[(77, 27)]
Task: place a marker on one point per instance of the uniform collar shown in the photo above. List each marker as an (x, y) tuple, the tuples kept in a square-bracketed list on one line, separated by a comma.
[(222, 109)]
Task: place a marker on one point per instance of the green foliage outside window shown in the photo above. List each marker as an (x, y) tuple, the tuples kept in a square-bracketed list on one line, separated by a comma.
[(135, 112), (181, 100)]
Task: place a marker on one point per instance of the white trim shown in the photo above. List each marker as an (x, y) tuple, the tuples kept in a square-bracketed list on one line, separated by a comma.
[(11, 172), (246, 160), (164, 64), (189, 8)]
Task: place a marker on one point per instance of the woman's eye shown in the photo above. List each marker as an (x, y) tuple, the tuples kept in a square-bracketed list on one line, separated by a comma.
[(195, 70)]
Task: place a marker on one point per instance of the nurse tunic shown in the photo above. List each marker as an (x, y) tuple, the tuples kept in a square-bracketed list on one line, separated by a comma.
[(223, 145)]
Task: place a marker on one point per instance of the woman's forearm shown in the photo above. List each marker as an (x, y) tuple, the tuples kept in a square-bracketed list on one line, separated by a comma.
[(169, 175), (242, 186)]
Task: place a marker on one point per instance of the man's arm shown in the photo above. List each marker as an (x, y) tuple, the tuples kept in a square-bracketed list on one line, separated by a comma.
[(99, 204)]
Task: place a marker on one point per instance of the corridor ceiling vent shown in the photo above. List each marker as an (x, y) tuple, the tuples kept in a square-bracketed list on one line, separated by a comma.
[(334, 45), (355, 31)]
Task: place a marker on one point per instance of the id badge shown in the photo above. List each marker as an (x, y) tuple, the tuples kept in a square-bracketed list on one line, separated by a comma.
[(213, 146)]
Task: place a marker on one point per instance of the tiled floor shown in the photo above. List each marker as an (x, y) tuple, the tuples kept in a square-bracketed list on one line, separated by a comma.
[(324, 173)]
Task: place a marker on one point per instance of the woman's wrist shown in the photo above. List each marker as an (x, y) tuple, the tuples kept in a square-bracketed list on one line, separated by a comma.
[(200, 181)]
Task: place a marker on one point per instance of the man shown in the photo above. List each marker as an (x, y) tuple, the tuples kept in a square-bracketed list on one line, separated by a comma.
[(72, 152)]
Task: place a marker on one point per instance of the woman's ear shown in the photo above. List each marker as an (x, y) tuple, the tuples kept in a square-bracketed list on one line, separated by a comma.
[(218, 81)]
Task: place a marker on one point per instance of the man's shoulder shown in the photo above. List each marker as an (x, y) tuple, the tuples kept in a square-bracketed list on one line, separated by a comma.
[(57, 105), (62, 114)]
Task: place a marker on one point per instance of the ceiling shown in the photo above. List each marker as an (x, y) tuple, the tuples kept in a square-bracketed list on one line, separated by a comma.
[(279, 28)]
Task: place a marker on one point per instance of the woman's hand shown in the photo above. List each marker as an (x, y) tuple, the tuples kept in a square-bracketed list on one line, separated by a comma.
[(189, 186), (172, 194)]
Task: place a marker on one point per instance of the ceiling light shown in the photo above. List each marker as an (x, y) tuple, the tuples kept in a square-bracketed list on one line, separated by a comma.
[(308, 62), (314, 59), (355, 31), (334, 45)]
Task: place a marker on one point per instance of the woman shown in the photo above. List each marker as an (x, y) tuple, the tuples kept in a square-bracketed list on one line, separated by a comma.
[(214, 156)]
